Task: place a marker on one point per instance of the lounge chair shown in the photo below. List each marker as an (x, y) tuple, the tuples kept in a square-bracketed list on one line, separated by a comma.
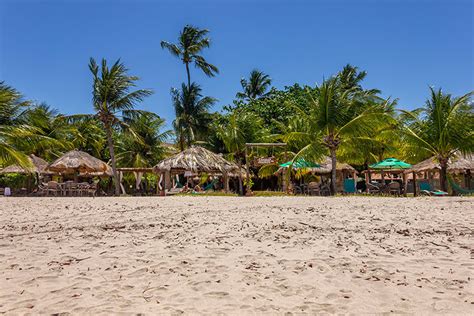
[(456, 188), (425, 189)]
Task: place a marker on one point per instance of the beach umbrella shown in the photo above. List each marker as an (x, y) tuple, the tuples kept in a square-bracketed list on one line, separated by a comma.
[(79, 162), (390, 163), (38, 166), (300, 163)]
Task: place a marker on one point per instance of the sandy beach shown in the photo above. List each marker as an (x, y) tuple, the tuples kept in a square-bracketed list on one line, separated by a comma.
[(236, 255)]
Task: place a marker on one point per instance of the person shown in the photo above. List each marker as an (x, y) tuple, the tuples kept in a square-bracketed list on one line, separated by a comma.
[(185, 188)]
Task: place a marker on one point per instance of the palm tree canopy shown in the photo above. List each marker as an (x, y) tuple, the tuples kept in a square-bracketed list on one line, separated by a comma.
[(141, 144), (191, 42), (192, 116), (256, 86), (111, 91), (443, 127)]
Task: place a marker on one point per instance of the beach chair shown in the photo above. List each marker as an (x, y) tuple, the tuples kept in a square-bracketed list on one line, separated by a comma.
[(394, 188), (92, 189), (314, 189), (210, 186), (349, 186), (373, 188), (459, 190), (53, 187), (425, 189)]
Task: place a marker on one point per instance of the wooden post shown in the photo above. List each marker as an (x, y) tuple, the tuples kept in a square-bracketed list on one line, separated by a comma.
[(405, 184), (248, 169), (367, 181), (354, 175), (226, 181), (414, 184)]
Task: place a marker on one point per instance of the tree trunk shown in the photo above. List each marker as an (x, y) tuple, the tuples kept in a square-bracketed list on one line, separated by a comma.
[(189, 75), (110, 143), (333, 170), (241, 187), (443, 173)]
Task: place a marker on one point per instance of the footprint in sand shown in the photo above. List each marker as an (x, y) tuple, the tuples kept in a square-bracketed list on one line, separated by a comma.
[(217, 294)]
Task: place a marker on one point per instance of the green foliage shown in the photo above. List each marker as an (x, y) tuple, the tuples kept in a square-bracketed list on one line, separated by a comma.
[(140, 145), (14, 181), (443, 128), (276, 108), (191, 42), (192, 116), (256, 87)]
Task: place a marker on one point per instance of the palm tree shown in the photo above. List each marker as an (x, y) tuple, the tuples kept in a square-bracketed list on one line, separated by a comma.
[(141, 144), (442, 128), (89, 136), (192, 116), (338, 114), (256, 87), (51, 132), (111, 97), (240, 128), (191, 42)]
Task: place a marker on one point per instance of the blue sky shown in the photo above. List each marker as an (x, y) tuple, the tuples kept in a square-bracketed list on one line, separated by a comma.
[(405, 46)]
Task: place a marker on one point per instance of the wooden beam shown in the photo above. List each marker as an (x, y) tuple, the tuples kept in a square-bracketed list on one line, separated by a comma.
[(146, 170), (265, 144)]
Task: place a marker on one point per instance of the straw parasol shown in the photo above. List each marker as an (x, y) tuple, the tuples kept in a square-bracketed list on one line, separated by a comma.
[(78, 162), (38, 166), (460, 164), (196, 159)]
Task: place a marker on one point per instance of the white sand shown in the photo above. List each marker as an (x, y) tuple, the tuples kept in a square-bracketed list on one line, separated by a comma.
[(236, 255)]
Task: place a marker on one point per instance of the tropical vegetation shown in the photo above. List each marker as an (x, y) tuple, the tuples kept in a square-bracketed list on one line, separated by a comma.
[(339, 118)]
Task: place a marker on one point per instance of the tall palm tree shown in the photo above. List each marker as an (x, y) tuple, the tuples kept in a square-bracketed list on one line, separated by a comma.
[(442, 128), (192, 116), (111, 98), (337, 115), (191, 42), (255, 87)]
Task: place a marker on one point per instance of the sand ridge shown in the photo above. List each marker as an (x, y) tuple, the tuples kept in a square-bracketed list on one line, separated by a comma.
[(236, 255)]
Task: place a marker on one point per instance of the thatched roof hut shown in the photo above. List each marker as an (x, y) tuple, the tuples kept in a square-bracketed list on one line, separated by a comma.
[(196, 159), (326, 166), (79, 162), (460, 164), (38, 166)]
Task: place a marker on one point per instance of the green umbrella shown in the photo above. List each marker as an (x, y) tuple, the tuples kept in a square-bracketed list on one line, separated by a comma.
[(300, 163), (390, 163)]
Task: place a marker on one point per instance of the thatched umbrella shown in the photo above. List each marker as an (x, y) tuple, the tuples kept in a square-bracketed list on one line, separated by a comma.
[(79, 163), (38, 166), (460, 164), (195, 160)]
